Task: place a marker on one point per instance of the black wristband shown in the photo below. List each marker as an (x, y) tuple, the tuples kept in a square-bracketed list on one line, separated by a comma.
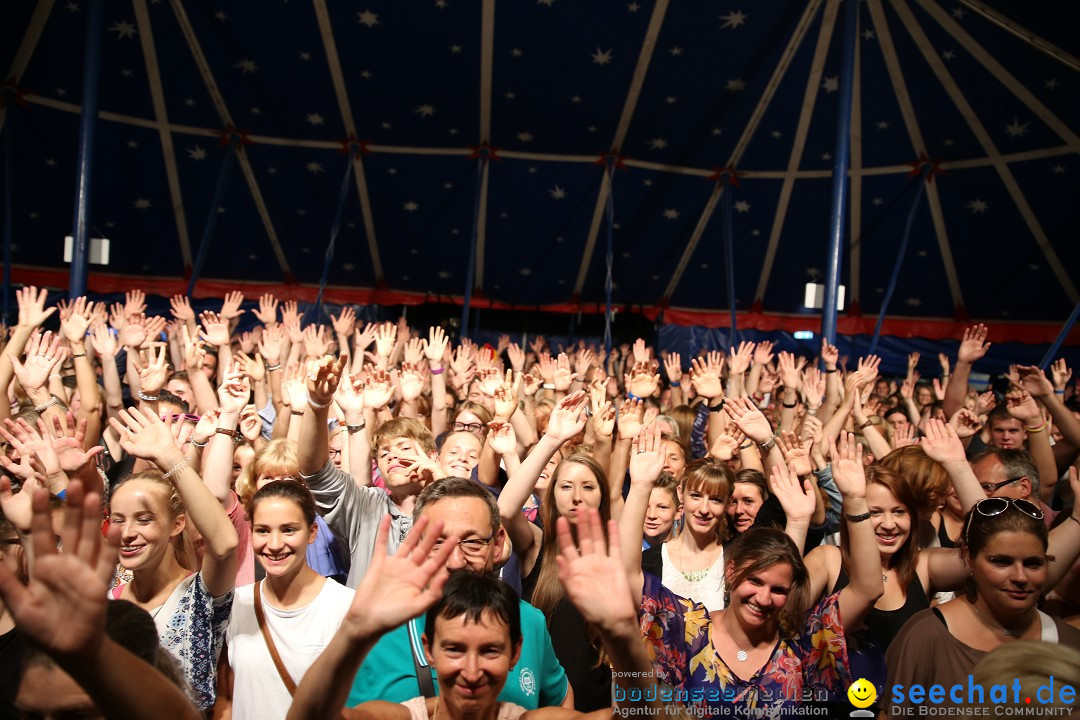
[(791, 406), (718, 408), (827, 370), (857, 518)]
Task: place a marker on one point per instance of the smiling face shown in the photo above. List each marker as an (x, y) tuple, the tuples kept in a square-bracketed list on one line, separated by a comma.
[(1010, 572), (660, 517), (674, 458), (392, 458), (703, 511), (147, 527), (469, 520), (460, 453), (547, 472), (280, 536), (472, 661), (576, 490), (758, 600), (745, 503), (890, 518)]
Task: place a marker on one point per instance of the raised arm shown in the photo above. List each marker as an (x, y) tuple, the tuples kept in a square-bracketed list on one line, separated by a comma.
[(32, 314), (218, 460), (646, 463), (350, 399), (434, 350), (972, 348), (322, 381)]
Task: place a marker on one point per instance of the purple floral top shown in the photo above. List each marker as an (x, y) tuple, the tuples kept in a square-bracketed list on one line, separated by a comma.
[(810, 668)]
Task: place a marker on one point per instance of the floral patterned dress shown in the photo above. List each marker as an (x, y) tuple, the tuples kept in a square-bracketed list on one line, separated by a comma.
[(811, 668)]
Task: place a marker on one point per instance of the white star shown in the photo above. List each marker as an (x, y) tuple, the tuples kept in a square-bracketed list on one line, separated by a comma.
[(704, 266), (959, 12), (305, 56), (110, 224), (425, 110), (441, 4), (448, 186), (914, 301), (670, 99), (878, 201), (658, 143), (977, 206), (126, 72), (504, 215), (391, 171), (1058, 169), (602, 57), (831, 84), (132, 144), (61, 92), (647, 182), (948, 55), (197, 153), (671, 214), (142, 204), (315, 168), (190, 102), (813, 272), (443, 274), (776, 133), (676, 51), (123, 29), (1015, 129), (368, 18), (525, 271), (455, 49), (557, 193), (72, 7), (882, 125), (410, 206), (755, 232), (366, 74), (301, 211), (510, 96), (516, 52), (221, 211), (255, 111), (921, 253), (315, 118), (826, 156), (386, 126), (452, 131), (733, 19), (247, 67), (272, 170), (868, 34), (591, 128), (525, 136), (736, 85), (545, 2), (742, 206), (633, 7), (50, 162), (575, 99), (717, 131), (532, 170), (947, 142), (220, 15), (1051, 84)]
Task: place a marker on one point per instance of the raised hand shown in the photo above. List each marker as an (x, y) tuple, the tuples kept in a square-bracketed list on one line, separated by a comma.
[(234, 391), (727, 444), (294, 385), (965, 423), (592, 572), (749, 419), (180, 307), (641, 351), (903, 436), (974, 346), (630, 418), (134, 303), (763, 353), (345, 322), (985, 402), (798, 499), (564, 376), (705, 376), (267, 312), (377, 388), (603, 421), (912, 362), (813, 386), (848, 470), (414, 351), (516, 356), (537, 345), (790, 367), (153, 368), (673, 367), (385, 336), (323, 378), (67, 441), (230, 308), (74, 327), (435, 347), (796, 454), (943, 360), (32, 312), (215, 329), (350, 398), (290, 313), (143, 434), (739, 360), (316, 341), (411, 383), (646, 458), (1034, 381), (642, 382), (103, 341), (829, 354), (250, 425), (502, 439), (1061, 374), (1023, 407), (43, 353), (568, 418)]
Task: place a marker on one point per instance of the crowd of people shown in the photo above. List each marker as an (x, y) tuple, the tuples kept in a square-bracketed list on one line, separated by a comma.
[(373, 521)]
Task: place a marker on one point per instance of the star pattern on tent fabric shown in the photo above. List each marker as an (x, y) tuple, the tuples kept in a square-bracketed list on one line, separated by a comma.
[(826, 156), (948, 55), (391, 171), (947, 142), (1051, 84), (658, 143), (878, 201), (633, 7), (366, 74), (444, 274), (50, 162), (882, 125), (776, 134), (735, 85), (549, 3), (733, 19), (813, 272), (315, 168), (755, 232), (647, 182), (676, 51), (959, 12), (367, 18), (132, 144), (410, 206), (868, 34), (425, 110), (190, 102), (532, 170), (526, 272), (557, 193), (197, 153), (220, 16), (126, 72), (717, 131), (61, 92), (977, 206), (509, 96), (1015, 129), (72, 6), (141, 204), (315, 118), (671, 214), (831, 84), (516, 52), (742, 206), (671, 99), (123, 29), (1059, 169), (246, 66), (441, 4), (921, 253), (305, 56), (575, 98), (448, 186), (455, 49), (525, 136), (602, 57), (913, 302)]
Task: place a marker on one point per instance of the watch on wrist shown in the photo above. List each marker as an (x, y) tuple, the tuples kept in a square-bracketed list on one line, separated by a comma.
[(768, 444)]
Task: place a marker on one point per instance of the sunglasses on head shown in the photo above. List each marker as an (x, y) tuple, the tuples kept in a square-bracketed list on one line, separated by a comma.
[(989, 507)]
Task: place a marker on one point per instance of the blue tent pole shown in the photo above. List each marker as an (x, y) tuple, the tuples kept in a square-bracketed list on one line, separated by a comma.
[(8, 209), (729, 254), (840, 171), (1060, 339), (470, 272), (211, 220), (609, 257), (95, 13), (899, 260), (334, 230)]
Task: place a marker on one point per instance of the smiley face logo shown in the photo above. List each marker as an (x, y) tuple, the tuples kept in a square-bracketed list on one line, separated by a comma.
[(862, 693)]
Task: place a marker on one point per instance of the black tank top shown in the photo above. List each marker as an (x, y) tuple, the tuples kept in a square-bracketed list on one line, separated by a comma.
[(885, 624), (943, 536)]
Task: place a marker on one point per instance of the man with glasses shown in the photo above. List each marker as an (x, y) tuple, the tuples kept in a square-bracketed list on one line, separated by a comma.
[(392, 670), (1010, 473)]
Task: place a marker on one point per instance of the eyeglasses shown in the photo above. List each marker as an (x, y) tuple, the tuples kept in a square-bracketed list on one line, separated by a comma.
[(991, 507), (991, 488), (473, 547), (468, 427)]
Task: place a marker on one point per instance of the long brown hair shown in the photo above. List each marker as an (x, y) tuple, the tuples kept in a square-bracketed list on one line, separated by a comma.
[(183, 544), (927, 478), (549, 592), (759, 549), (710, 478), (906, 558)]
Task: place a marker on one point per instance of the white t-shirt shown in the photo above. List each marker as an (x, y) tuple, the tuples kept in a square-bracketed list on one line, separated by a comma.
[(300, 636), (709, 590)]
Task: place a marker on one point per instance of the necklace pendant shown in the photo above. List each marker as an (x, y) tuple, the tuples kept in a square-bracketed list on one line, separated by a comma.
[(741, 655)]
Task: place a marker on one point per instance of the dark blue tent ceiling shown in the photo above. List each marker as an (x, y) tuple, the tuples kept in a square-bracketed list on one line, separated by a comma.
[(671, 91)]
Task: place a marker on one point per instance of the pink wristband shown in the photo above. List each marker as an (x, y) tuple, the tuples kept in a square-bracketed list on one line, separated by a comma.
[(437, 372)]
